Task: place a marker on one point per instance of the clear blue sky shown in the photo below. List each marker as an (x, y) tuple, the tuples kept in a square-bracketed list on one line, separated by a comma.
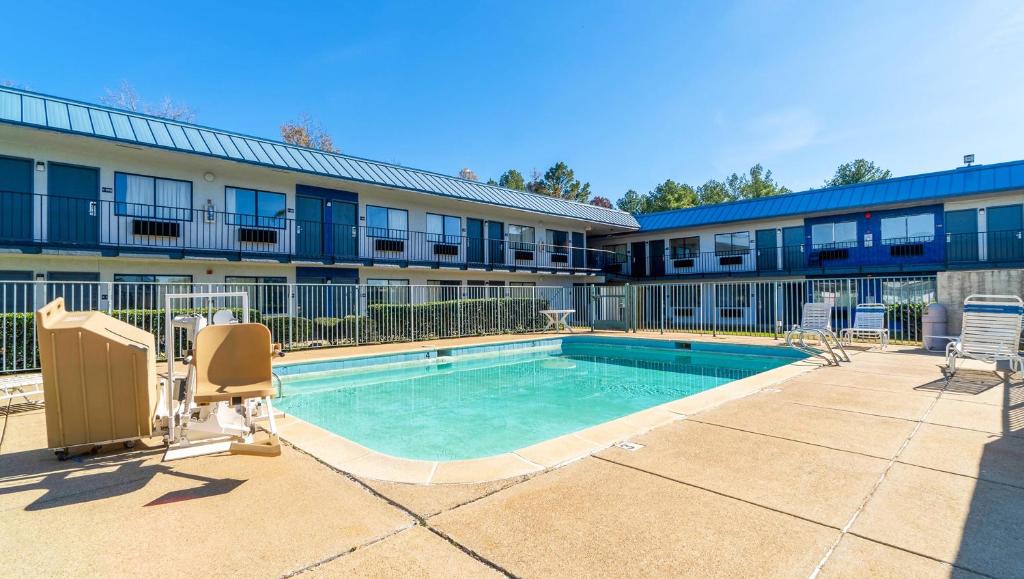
[(628, 93)]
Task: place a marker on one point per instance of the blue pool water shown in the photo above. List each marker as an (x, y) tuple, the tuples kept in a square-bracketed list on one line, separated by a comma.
[(477, 402)]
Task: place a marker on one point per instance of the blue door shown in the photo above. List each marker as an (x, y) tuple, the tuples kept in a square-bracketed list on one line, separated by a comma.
[(962, 236), (495, 243), (73, 205), (1004, 233), (579, 254), (309, 226), (792, 248), (16, 199), (344, 232), (474, 241), (767, 250), (328, 219)]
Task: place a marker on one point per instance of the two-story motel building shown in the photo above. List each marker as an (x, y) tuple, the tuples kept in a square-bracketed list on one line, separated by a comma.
[(90, 193)]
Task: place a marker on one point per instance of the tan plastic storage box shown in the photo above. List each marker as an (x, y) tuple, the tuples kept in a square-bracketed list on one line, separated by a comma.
[(99, 377)]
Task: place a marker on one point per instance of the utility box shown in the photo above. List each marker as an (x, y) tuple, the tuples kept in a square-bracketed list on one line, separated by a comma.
[(99, 377)]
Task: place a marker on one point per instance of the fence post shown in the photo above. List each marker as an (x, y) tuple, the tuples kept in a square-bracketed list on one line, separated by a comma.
[(110, 298), (664, 306), (776, 322), (714, 310)]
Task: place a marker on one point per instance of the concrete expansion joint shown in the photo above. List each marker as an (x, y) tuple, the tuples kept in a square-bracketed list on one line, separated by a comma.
[(418, 521), (874, 489)]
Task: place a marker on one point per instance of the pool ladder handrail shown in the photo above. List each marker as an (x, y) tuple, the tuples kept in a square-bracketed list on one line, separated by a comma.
[(832, 358)]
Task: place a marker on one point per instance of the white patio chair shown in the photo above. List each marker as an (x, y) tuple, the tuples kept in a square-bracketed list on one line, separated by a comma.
[(816, 321), (868, 320), (990, 332)]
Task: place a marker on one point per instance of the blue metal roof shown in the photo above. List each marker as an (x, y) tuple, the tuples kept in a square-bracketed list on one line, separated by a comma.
[(961, 182), (27, 108)]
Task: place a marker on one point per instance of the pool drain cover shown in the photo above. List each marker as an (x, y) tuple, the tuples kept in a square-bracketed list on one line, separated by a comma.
[(629, 445)]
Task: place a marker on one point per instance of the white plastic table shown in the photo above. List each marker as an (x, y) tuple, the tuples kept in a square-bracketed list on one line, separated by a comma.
[(558, 318)]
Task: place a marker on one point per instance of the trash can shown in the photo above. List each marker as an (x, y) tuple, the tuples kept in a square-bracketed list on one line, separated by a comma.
[(934, 324)]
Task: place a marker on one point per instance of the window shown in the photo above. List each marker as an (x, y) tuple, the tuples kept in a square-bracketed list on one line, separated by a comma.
[(141, 196), (386, 222), (387, 291), (251, 208), (618, 249), (842, 234), (558, 241), (522, 284), (682, 247), (732, 243), (269, 295), (732, 295), (443, 229), (908, 229), (443, 289), (134, 291), (522, 237), (684, 296)]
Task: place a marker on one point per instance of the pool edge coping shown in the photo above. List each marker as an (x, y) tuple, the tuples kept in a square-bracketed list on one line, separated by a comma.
[(363, 462)]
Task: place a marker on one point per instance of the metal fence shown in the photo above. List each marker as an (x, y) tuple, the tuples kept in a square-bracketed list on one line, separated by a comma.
[(302, 316), (769, 308)]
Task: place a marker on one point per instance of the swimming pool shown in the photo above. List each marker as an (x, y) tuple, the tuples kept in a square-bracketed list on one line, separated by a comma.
[(473, 402)]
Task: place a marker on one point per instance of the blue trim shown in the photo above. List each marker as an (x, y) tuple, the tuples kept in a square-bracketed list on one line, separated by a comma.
[(994, 309)]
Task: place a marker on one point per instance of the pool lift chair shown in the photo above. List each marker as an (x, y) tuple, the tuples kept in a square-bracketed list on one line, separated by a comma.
[(816, 322), (227, 385)]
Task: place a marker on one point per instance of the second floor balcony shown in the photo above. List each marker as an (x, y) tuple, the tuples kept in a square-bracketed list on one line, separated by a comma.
[(48, 222), (992, 249)]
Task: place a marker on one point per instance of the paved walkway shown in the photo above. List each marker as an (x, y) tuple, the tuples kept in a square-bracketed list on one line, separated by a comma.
[(868, 470)]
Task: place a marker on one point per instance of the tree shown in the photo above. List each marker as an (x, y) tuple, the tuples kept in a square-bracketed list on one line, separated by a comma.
[(512, 179), (127, 98), (467, 174), (633, 202), (671, 195), (858, 171), (601, 201), (713, 192), (560, 181), (492, 182), (307, 133), (758, 183)]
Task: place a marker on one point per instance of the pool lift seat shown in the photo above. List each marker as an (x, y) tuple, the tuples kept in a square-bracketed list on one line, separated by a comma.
[(228, 386)]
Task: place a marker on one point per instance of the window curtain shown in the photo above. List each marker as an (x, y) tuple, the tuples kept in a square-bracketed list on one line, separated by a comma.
[(138, 195), (173, 199)]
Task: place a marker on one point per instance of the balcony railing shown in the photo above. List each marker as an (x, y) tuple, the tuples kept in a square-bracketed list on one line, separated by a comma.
[(50, 221), (928, 253)]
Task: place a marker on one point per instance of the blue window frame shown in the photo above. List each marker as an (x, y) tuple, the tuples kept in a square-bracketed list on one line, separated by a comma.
[(444, 229), (254, 208), (387, 222), (152, 197)]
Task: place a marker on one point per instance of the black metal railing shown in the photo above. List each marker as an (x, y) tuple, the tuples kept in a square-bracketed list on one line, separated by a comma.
[(61, 221), (968, 250)]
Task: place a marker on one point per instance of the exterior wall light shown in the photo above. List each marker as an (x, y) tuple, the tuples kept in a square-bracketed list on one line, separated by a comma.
[(40, 166)]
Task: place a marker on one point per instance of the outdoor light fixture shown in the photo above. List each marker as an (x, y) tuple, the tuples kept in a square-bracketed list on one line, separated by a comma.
[(209, 177), (40, 166), (969, 159)]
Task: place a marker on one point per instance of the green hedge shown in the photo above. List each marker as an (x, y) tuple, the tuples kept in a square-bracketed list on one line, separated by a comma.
[(382, 323), (456, 318)]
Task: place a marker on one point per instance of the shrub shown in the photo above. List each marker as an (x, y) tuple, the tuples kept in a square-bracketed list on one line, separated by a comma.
[(392, 322), (287, 329)]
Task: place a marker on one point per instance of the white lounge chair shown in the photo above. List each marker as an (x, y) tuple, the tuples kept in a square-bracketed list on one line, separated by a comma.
[(816, 321), (990, 332), (868, 320)]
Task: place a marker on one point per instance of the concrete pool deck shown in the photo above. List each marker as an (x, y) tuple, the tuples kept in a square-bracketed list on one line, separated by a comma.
[(871, 469)]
